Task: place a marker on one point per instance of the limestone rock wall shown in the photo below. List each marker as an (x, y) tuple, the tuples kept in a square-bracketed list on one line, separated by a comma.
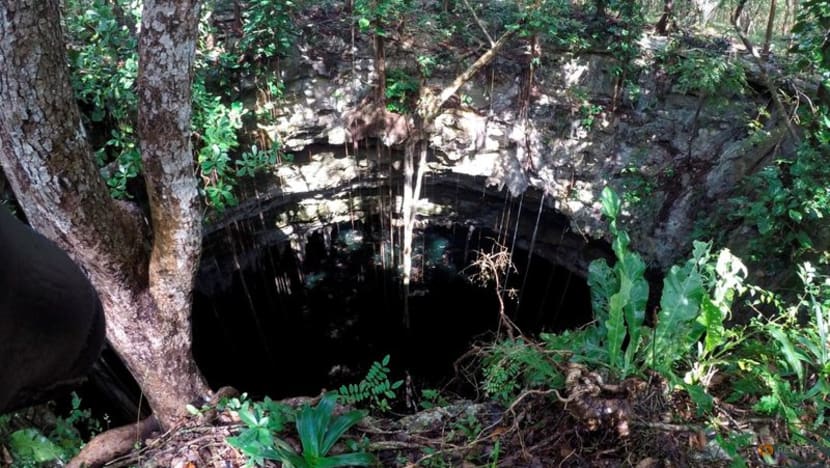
[(649, 146)]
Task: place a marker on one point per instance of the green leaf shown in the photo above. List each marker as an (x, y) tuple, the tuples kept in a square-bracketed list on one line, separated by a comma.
[(620, 244), (615, 325), (701, 399), (339, 427), (247, 416), (610, 203), (287, 456), (791, 355), (679, 307), (311, 425), (347, 459), (767, 404), (712, 318), (31, 444), (795, 215), (603, 284), (633, 267), (682, 293)]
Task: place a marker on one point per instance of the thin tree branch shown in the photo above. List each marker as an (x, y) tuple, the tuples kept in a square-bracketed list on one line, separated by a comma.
[(428, 108), (480, 24), (773, 90)]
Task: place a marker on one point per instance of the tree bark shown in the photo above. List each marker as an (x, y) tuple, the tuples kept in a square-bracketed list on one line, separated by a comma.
[(48, 161), (167, 48), (768, 34), (662, 26)]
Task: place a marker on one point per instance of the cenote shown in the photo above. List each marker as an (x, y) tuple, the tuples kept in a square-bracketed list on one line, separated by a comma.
[(284, 318)]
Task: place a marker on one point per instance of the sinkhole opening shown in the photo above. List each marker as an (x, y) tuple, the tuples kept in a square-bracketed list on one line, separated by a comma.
[(282, 321)]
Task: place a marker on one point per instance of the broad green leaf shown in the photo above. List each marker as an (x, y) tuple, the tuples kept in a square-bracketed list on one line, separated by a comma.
[(247, 416), (682, 293), (632, 267), (620, 244), (679, 306), (700, 250), (30, 443), (711, 317), (610, 203), (311, 426), (615, 325)]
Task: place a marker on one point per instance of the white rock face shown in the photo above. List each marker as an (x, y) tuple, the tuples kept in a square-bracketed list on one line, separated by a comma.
[(569, 146)]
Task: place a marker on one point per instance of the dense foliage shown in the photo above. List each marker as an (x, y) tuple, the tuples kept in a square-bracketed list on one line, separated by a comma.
[(103, 56), (775, 361)]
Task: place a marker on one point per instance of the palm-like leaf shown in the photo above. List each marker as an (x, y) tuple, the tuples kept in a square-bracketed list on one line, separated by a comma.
[(339, 427), (318, 434)]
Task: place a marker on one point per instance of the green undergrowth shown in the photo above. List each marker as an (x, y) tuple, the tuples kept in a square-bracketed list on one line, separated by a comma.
[(777, 365), (51, 441), (317, 427)]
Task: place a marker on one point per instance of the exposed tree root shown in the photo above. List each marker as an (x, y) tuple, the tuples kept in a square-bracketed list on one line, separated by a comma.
[(114, 443)]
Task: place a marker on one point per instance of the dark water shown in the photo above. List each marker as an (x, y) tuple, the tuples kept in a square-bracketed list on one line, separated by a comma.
[(287, 324)]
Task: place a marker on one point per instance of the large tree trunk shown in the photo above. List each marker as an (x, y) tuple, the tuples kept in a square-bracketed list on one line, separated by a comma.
[(45, 155), (166, 48)]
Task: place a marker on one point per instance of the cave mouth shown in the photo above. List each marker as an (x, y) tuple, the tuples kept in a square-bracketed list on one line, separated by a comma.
[(290, 321)]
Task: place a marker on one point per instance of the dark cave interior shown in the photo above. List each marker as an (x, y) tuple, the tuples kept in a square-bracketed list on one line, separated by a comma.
[(291, 324)]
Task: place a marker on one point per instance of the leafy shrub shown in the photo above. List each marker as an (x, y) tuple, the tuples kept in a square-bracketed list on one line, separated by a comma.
[(790, 368), (686, 345), (103, 55), (103, 59), (513, 365), (378, 15), (318, 434), (706, 72), (33, 446), (217, 125), (263, 420), (375, 388), (401, 90), (779, 363), (267, 29), (786, 203), (317, 430)]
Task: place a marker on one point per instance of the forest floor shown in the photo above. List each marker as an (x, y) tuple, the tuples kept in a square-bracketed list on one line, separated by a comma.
[(637, 422)]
